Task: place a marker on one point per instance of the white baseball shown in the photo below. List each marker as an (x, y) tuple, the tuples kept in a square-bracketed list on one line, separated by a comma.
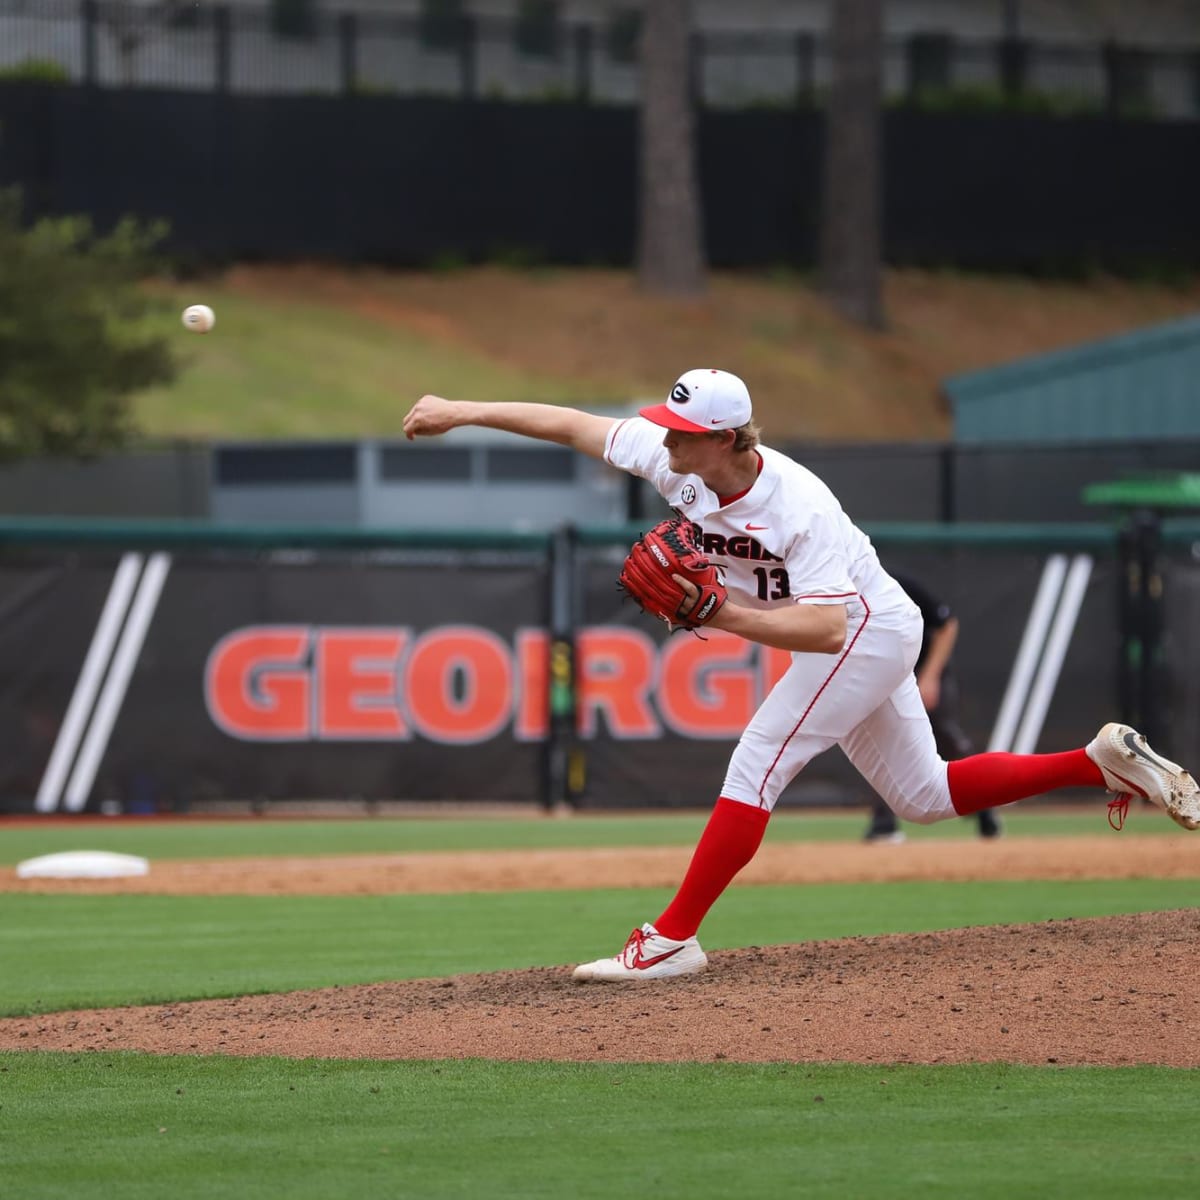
[(199, 318)]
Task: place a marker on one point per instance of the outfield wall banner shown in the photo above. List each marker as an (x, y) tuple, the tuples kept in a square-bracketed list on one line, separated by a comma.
[(155, 681)]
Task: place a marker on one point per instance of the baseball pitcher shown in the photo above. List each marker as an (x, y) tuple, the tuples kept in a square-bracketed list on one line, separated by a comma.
[(761, 548)]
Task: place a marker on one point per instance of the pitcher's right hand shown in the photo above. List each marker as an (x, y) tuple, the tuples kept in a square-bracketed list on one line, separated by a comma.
[(430, 416)]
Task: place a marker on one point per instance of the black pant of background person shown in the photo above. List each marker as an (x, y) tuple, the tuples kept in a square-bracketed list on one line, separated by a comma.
[(952, 742)]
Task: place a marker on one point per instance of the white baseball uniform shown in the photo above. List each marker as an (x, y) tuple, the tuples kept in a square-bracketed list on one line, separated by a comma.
[(788, 541)]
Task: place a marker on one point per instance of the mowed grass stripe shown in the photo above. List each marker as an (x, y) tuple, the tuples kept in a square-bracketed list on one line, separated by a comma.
[(263, 838), (100, 1125), (72, 951)]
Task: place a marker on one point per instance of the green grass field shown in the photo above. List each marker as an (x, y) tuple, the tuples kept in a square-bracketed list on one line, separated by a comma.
[(98, 1125), (141, 1127), (263, 838), (295, 367), (321, 352)]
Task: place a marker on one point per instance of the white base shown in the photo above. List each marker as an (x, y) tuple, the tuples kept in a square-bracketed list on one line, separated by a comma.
[(82, 864)]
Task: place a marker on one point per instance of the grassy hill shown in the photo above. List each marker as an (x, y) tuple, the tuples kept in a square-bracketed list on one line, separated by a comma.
[(310, 351)]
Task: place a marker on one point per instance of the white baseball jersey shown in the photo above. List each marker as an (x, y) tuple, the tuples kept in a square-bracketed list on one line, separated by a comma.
[(787, 540)]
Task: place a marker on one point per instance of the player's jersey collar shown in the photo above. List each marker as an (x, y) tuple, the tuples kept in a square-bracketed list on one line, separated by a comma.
[(723, 501)]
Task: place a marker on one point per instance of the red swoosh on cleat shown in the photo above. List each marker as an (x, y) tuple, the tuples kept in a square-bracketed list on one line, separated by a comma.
[(1133, 787), (640, 963)]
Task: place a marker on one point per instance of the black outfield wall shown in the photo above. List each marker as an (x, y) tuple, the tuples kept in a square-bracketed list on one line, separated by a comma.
[(418, 180)]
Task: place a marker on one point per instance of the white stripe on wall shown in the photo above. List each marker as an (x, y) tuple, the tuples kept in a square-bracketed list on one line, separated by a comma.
[(94, 664), (113, 695), (1050, 667), (1019, 682)]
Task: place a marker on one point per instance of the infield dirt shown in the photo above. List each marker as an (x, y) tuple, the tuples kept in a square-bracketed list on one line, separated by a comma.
[(1115, 990)]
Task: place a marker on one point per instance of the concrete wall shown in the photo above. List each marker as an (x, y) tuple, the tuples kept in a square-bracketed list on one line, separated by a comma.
[(172, 482), (408, 486)]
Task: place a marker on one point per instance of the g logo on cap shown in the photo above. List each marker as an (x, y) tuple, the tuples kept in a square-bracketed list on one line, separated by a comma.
[(680, 393)]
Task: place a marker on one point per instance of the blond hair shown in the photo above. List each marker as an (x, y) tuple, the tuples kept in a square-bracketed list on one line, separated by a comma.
[(745, 437)]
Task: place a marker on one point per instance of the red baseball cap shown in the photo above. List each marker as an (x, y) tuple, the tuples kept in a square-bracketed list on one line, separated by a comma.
[(703, 401)]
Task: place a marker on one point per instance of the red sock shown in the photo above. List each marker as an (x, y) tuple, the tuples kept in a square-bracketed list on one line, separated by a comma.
[(729, 841), (986, 780)]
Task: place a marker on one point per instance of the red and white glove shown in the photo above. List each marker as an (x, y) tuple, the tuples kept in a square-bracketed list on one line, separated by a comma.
[(672, 548)]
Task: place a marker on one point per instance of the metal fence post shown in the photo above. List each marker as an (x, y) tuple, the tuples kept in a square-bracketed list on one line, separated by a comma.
[(1140, 611), (696, 68), (1129, 647), (223, 47), (1014, 65), (1148, 536), (947, 497), (930, 59), (1012, 18), (806, 69), (1112, 79), (564, 764), (584, 44), (347, 27), (1126, 79), (468, 55), (88, 16), (635, 503)]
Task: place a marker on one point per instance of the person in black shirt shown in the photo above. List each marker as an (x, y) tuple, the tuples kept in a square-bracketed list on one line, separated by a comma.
[(939, 692)]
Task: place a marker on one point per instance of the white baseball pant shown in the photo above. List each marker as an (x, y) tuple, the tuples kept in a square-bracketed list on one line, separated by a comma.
[(864, 700)]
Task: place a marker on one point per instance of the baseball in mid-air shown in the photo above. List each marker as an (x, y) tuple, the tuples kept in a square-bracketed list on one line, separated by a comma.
[(198, 318)]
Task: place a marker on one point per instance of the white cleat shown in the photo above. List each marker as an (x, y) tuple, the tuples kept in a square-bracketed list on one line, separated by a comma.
[(647, 955), (1131, 768)]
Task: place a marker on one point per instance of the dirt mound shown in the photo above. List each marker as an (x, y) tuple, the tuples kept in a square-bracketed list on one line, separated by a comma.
[(1115, 990)]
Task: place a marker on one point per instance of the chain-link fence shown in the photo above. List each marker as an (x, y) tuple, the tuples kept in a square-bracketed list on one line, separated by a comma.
[(540, 56)]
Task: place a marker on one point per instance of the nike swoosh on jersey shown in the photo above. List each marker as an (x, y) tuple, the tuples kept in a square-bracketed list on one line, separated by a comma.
[(754, 527)]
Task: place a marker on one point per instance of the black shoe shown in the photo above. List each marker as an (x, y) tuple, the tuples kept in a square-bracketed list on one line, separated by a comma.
[(884, 834), (989, 824)]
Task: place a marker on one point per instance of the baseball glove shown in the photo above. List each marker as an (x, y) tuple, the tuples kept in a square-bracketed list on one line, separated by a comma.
[(671, 548)]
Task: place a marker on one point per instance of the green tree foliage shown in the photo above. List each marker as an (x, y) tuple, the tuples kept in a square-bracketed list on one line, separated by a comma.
[(35, 70), (74, 342)]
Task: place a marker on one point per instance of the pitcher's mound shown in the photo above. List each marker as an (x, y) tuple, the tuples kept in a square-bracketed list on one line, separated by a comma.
[(1110, 990)]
